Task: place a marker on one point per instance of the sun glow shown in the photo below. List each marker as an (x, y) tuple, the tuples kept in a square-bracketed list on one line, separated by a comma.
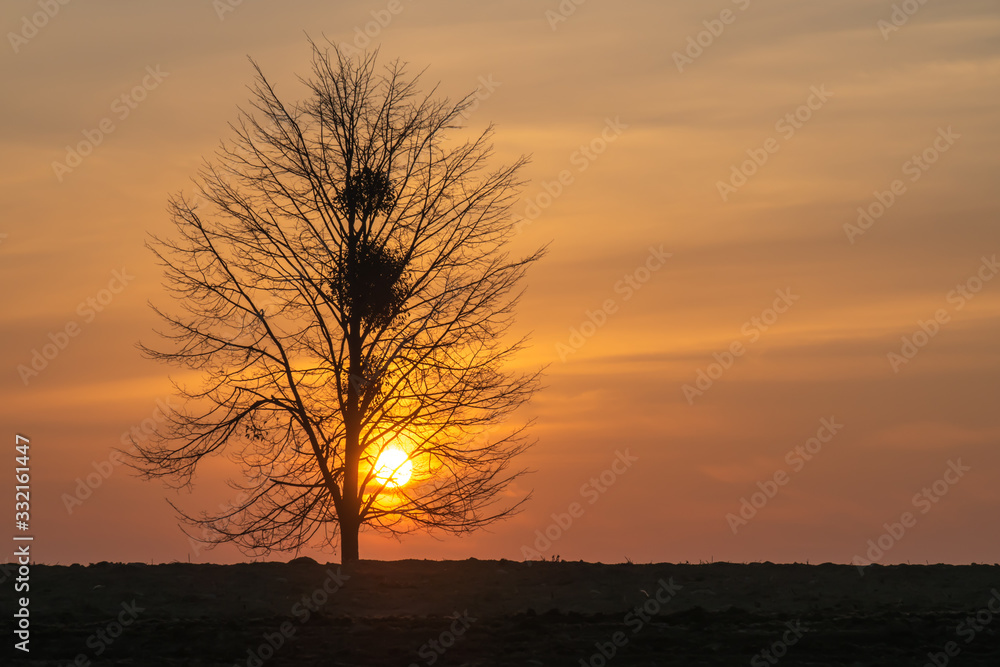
[(393, 468)]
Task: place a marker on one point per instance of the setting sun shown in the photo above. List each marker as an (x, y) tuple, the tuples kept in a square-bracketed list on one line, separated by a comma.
[(393, 468)]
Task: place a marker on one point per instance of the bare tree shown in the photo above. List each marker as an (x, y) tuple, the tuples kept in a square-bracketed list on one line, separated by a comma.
[(345, 291)]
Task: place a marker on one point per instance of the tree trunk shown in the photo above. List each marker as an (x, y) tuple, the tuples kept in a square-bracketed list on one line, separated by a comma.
[(350, 509), (348, 541), (350, 519)]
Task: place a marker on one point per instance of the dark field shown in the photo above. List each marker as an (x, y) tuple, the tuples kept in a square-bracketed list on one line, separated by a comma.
[(509, 613)]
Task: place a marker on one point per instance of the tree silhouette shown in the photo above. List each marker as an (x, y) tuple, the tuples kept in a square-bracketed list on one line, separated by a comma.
[(344, 287)]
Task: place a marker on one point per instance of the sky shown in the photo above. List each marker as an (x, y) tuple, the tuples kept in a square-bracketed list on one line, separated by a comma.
[(769, 312)]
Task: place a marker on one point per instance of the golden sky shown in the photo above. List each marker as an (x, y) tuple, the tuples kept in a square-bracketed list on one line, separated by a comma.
[(759, 201)]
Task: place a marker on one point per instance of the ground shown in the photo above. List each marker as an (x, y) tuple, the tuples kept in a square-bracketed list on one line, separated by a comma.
[(472, 612)]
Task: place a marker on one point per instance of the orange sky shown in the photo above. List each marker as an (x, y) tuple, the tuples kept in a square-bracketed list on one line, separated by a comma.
[(714, 157)]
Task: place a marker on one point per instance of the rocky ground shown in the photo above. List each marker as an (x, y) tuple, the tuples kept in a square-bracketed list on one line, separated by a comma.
[(473, 612)]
